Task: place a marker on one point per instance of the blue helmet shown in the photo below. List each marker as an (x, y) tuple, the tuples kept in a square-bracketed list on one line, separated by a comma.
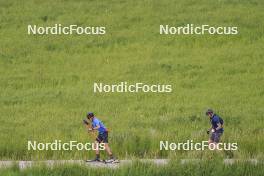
[(90, 114)]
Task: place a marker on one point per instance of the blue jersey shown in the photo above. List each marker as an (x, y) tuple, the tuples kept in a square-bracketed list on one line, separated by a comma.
[(214, 121), (96, 122)]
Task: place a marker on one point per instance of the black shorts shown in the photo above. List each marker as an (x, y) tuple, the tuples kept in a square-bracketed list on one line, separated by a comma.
[(102, 137), (215, 137)]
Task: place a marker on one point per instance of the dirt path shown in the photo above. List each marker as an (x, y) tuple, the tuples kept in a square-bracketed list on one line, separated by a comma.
[(158, 162)]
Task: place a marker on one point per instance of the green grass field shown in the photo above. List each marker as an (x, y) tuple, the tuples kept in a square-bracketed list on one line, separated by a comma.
[(46, 82)]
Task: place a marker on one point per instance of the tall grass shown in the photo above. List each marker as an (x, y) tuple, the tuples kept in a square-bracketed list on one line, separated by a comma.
[(138, 169), (46, 81)]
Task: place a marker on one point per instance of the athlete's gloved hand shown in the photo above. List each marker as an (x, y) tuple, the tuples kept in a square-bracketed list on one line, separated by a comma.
[(85, 122)]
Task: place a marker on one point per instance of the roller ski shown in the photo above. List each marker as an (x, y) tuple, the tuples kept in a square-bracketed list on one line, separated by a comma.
[(96, 160), (112, 161)]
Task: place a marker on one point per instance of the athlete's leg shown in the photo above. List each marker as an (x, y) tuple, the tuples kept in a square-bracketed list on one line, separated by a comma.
[(97, 152), (211, 140), (217, 140), (108, 150), (97, 142)]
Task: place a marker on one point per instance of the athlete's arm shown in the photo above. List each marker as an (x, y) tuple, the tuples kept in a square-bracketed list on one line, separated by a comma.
[(96, 128), (218, 126), (208, 131)]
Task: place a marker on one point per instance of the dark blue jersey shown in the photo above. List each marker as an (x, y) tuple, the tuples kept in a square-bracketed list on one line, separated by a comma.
[(214, 121)]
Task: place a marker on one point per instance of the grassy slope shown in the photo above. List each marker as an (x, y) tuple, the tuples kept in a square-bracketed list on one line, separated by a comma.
[(46, 81)]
